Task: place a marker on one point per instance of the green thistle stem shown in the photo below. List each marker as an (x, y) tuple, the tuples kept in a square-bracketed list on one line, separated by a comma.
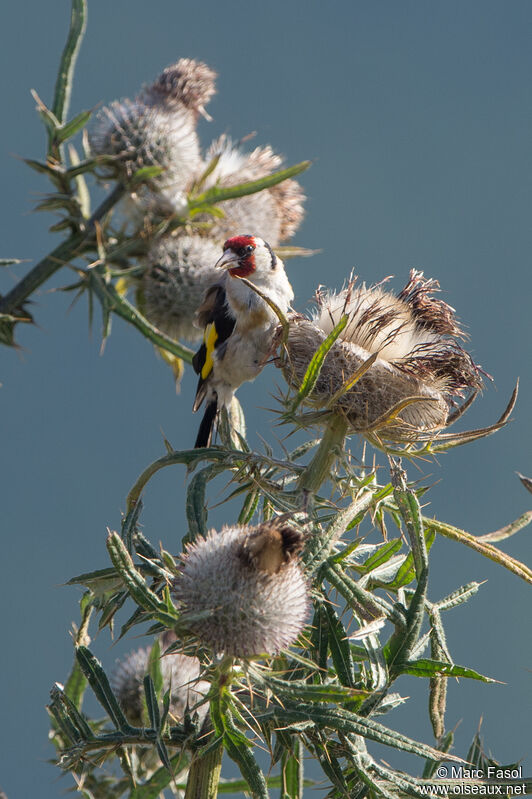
[(204, 774), (205, 769), (319, 469), (62, 255), (65, 76), (110, 298)]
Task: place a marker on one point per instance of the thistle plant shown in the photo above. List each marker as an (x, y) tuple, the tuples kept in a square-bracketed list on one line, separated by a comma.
[(299, 625), (279, 638), (154, 233)]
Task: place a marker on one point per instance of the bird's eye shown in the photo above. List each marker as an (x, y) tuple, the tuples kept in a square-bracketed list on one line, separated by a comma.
[(249, 248)]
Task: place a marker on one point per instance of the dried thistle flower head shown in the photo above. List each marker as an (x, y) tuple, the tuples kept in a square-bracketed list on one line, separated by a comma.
[(244, 589), (274, 214), (415, 338), (178, 671), (178, 272), (139, 136), (158, 129), (187, 82)]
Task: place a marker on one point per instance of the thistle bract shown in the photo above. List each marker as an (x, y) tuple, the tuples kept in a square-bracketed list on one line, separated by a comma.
[(420, 370)]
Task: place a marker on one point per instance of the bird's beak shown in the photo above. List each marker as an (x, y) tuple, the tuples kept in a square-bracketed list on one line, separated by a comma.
[(227, 260)]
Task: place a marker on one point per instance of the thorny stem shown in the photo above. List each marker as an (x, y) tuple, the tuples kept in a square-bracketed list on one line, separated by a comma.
[(62, 255), (319, 469), (193, 456), (204, 774), (65, 76), (107, 293)]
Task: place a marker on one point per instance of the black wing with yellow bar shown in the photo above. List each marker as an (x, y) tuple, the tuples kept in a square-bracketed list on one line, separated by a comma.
[(219, 324)]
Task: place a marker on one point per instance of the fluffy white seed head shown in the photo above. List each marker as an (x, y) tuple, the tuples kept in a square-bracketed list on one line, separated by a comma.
[(140, 135), (244, 589), (178, 671), (158, 129), (178, 272), (416, 339), (274, 214)]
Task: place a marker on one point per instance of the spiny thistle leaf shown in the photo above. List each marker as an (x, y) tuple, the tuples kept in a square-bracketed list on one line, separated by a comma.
[(99, 683), (489, 551), (78, 721), (196, 509), (9, 261), (340, 649), (292, 772), (461, 594), (512, 528), (299, 689), (218, 194), (383, 555), (406, 572), (49, 169), (526, 481), (343, 720), (74, 126), (410, 510), (249, 507), (425, 667), (134, 580), (319, 546), (99, 582), (237, 747), (65, 75), (366, 605), (314, 368)]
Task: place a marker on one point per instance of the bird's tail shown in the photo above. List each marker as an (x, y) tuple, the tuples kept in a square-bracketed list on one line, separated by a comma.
[(206, 427)]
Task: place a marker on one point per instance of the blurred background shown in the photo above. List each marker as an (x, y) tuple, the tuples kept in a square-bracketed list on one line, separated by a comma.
[(418, 119)]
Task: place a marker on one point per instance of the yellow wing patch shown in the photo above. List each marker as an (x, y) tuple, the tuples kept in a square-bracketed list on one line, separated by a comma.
[(210, 337)]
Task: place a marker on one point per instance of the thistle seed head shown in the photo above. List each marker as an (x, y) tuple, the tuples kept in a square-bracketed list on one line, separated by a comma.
[(289, 198), (274, 214), (415, 337), (188, 83), (178, 272), (178, 671), (244, 589), (140, 135)]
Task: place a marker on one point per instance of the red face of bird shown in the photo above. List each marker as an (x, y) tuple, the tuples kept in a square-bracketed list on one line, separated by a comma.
[(244, 255)]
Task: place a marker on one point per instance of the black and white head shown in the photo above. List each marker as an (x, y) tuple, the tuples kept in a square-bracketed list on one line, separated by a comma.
[(246, 256), (252, 258)]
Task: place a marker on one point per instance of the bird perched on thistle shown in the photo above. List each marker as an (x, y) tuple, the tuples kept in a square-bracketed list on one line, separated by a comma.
[(239, 325)]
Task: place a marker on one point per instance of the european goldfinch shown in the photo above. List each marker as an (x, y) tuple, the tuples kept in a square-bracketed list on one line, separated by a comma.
[(238, 324)]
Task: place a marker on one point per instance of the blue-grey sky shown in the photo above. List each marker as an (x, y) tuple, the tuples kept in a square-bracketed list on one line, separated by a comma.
[(418, 119)]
